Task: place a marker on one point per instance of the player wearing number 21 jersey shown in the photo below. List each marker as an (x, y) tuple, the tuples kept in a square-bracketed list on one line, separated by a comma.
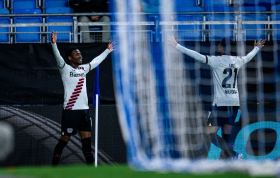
[(225, 106), (225, 69)]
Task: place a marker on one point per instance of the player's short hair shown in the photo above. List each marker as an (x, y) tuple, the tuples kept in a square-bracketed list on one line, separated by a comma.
[(69, 52), (227, 44)]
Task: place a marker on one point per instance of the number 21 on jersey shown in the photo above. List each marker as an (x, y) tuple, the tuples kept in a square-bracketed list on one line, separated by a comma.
[(229, 72)]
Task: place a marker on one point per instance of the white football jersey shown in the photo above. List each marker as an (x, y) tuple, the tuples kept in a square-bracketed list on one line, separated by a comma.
[(74, 80), (225, 70), (75, 90)]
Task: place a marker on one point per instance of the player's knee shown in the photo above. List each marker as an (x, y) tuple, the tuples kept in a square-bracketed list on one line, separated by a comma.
[(227, 132), (65, 138), (212, 129), (85, 135)]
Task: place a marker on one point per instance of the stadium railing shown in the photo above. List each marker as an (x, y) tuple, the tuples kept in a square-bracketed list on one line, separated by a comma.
[(153, 35)]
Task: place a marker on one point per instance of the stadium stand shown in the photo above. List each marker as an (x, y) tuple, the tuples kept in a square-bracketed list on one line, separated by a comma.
[(2, 4), (220, 31), (189, 32), (182, 6), (253, 31), (4, 38), (27, 34), (186, 32), (275, 27), (211, 3), (264, 3), (151, 6), (58, 3), (23, 4), (67, 30)]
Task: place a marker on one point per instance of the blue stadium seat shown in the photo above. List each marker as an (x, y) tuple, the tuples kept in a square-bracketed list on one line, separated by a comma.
[(211, 3), (180, 5), (25, 34), (55, 3), (24, 4), (61, 37), (253, 31), (264, 3), (4, 11), (219, 32), (4, 20), (190, 32), (2, 4), (276, 27)]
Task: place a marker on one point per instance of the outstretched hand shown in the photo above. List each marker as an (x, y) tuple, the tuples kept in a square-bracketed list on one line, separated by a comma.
[(259, 44), (111, 46), (172, 41), (54, 37)]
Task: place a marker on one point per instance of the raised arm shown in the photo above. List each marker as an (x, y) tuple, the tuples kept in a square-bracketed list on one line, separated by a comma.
[(59, 60), (191, 53), (96, 61), (249, 56)]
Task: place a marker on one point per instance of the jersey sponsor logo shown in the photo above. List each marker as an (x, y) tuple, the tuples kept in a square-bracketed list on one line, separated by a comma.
[(230, 91), (69, 130), (76, 75)]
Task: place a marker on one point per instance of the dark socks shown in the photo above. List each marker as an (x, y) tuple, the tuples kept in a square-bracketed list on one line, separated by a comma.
[(228, 140), (220, 143), (57, 152), (86, 145)]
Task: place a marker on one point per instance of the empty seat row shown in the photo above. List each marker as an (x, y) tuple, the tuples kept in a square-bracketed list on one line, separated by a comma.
[(190, 32), (219, 31), (261, 3), (275, 17), (207, 5), (33, 34), (179, 4), (32, 4)]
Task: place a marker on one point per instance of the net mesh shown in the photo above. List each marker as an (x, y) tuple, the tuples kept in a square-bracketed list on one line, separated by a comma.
[(163, 97)]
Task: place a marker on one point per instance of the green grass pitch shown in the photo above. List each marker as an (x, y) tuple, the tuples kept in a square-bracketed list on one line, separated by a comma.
[(120, 171)]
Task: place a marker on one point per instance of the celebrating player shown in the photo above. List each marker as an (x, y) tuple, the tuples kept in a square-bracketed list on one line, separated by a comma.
[(75, 114), (226, 97)]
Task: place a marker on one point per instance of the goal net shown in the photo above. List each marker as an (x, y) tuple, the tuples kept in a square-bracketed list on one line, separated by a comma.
[(163, 96)]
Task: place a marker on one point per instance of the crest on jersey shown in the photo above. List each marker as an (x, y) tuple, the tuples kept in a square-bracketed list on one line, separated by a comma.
[(81, 68), (69, 130)]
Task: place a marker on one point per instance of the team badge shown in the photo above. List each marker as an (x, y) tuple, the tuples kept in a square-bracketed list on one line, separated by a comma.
[(69, 130)]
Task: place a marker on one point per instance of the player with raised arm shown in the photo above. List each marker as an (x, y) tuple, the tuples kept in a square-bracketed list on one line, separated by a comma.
[(226, 104), (75, 114)]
